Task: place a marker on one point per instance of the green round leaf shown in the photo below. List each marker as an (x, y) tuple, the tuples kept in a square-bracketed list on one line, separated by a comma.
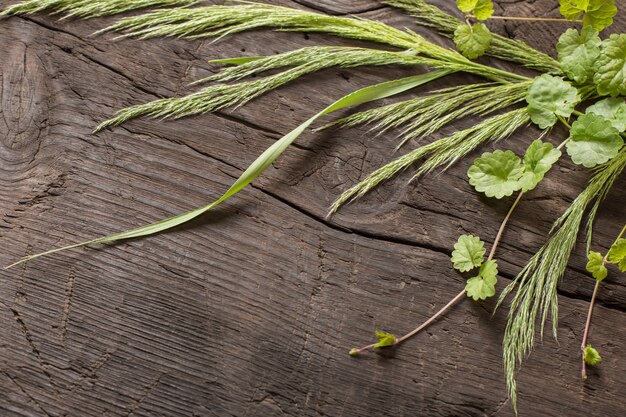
[(578, 53), (617, 254), (610, 68), (591, 356), (483, 285), (472, 41), (597, 13), (496, 174), (481, 9), (384, 339), (549, 97), (469, 252), (612, 109), (595, 265), (538, 160), (593, 140)]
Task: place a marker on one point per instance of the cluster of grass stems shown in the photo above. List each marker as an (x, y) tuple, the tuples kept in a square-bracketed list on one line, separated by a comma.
[(495, 101)]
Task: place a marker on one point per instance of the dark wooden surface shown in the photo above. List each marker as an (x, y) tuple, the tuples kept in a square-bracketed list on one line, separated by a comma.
[(250, 311)]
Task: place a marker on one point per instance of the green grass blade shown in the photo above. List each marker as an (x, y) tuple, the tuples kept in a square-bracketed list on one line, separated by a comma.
[(236, 61), (361, 96)]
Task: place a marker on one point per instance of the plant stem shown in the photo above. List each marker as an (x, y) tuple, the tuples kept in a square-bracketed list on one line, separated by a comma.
[(562, 119), (458, 297), (503, 225), (432, 318), (586, 333), (591, 303), (535, 19)]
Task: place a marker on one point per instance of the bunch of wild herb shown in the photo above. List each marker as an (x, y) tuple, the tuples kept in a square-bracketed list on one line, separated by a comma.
[(589, 69)]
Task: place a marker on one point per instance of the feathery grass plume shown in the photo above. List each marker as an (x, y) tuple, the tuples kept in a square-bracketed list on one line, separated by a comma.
[(316, 58), (500, 47), (219, 96), (441, 153), (220, 21), (88, 8), (307, 60), (537, 283), (428, 114)]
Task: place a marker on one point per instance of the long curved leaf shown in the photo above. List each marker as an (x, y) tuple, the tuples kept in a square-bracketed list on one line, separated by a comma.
[(361, 96)]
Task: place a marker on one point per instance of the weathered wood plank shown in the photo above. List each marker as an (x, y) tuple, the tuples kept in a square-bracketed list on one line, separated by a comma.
[(250, 310)]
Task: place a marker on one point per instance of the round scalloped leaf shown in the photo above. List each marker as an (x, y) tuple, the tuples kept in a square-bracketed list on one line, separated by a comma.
[(595, 265), (481, 9), (578, 53), (617, 254), (597, 13), (610, 68), (496, 174), (549, 97), (612, 109), (591, 356), (469, 252), (483, 285), (593, 140), (472, 41), (538, 160)]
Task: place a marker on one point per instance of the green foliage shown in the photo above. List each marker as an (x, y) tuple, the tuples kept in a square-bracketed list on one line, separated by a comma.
[(469, 253), (472, 41), (610, 68), (617, 254), (591, 356), (480, 9), (501, 173), (218, 21), (442, 153), (537, 282), (483, 285), (538, 160), (219, 96), (613, 110), (593, 140), (496, 173), (596, 13), (424, 115), (578, 53), (385, 339), (549, 97), (88, 8), (501, 47), (595, 265)]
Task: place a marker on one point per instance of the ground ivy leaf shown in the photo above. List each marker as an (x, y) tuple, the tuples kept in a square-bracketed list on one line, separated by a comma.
[(595, 265), (472, 41), (384, 339), (591, 356), (469, 252), (549, 97), (610, 68), (593, 140), (496, 174), (578, 53), (597, 13), (612, 109), (481, 9), (538, 160), (483, 285), (617, 254)]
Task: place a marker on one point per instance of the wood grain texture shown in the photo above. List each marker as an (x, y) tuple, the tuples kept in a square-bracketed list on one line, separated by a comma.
[(250, 310)]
